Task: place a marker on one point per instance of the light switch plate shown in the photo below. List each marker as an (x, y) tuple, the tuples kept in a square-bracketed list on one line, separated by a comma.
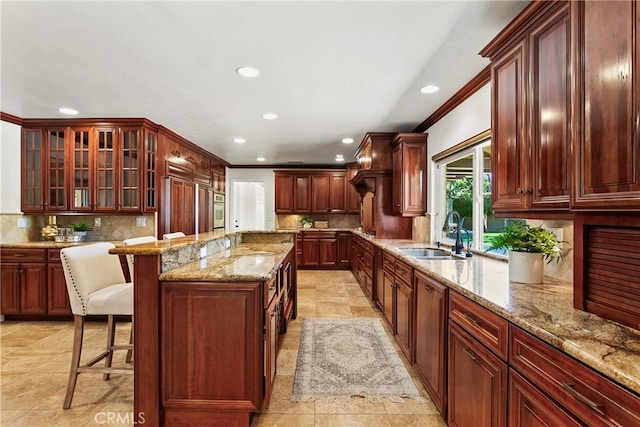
[(97, 222), (22, 223), (141, 221)]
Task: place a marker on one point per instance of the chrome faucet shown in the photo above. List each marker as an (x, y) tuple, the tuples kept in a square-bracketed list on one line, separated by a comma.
[(458, 246)]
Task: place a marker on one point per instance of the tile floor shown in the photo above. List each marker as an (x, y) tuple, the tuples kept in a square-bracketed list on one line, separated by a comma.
[(35, 357)]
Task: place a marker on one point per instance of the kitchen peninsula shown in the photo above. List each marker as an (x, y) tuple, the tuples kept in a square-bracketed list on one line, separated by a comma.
[(209, 313)]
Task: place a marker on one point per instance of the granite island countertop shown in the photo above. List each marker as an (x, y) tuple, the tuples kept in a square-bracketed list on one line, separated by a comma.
[(544, 310), (254, 262)]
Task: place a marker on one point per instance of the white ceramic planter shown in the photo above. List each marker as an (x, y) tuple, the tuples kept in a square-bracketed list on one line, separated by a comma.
[(525, 267)]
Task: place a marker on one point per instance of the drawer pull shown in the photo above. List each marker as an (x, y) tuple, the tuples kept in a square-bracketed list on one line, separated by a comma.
[(582, 398), (471, 354), (471, 319), (19, 255), (427, 288)]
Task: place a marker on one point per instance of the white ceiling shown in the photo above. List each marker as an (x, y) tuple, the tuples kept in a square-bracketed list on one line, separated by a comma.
[(330, 69)]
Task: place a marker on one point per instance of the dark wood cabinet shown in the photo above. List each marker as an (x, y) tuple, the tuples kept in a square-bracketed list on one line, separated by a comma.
[(477, 382), (531, 112), (320, 192), (306, 192), (44, 170), (430, 329), (529, 407), (57, 296), (388, 291), (373, 152), (24, 281), (344, 248), (89, 166), (353, 198), (585, 394), (272, 333), (606, 150), (180, 212), (404, 317), (284, 191), (205, 209), (319, 249), (378, 290), (409, 156)]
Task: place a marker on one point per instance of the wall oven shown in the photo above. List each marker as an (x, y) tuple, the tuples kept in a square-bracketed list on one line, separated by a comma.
[(218, 211)]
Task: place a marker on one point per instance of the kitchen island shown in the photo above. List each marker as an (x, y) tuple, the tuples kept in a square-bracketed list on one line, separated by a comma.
[(209, 314)]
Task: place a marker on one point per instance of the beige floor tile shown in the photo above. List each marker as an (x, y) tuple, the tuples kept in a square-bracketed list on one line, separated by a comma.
[(351, 406), (410, 407), (351, 420), (333, 310), (284, 420), (71, 418), (286, 362), (404, 420)]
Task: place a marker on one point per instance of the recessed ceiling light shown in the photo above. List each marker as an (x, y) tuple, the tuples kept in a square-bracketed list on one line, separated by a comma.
[(339, 158), (347, 140), (247, 71), (260, 159), (269, 116), (429, 89), (239, 140), (66, 110)]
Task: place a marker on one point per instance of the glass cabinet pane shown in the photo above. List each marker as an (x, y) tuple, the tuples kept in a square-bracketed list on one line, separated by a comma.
[(56, 185), (105, 169), (81, 184), (150, 175), (32, 170), (129, 170)]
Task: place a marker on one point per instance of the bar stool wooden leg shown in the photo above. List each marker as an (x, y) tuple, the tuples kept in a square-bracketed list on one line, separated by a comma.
[(130, 352), (78, 333), (111, 335)]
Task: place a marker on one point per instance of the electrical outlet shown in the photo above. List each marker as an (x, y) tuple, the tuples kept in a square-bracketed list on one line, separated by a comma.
[(22, 223), (203, 252), (97, 222), (141, 221)]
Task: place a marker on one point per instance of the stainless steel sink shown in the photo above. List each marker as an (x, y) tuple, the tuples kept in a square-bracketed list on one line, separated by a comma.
[(426, 253)]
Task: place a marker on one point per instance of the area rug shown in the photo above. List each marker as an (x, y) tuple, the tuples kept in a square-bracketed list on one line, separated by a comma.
[(345, 358)]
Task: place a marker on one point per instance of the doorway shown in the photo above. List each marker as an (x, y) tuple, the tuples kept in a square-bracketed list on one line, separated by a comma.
[(247, 210)]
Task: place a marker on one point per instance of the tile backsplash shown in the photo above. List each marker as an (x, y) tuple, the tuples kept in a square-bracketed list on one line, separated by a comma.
[(112, 227), (288, 222)]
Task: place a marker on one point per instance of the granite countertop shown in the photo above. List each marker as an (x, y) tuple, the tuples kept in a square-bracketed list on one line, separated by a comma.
[(544, 310), (50, 244), (245, 262)]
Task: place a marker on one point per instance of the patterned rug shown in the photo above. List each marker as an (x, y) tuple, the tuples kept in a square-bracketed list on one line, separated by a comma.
[(345, 358)]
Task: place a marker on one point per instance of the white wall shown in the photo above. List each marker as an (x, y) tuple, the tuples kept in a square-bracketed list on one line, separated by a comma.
[(264, 175), (10, 136)]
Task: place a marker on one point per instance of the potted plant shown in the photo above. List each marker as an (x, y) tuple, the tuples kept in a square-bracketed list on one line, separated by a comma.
[(80, 229), (306, 222), (528, 246)]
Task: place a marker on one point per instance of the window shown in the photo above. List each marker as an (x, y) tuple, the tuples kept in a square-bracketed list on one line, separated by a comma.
[(463, 185)]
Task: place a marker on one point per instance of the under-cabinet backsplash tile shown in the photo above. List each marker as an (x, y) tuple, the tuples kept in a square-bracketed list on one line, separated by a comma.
[(348, 221)]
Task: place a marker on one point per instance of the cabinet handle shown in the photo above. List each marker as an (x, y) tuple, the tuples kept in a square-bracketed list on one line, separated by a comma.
[(427, 288), (471, 319), (582, 398), (472, 354), (518, 190), (19, 255)]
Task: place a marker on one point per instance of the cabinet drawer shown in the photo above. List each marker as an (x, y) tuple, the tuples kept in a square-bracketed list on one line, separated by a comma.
[(321, 234), (487, 327), (588, 395), (389, 263), (53, 255), (404, 273), (368, 263), (23, 255)]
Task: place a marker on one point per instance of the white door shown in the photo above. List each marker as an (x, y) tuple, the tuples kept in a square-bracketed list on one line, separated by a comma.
[(247, 207)]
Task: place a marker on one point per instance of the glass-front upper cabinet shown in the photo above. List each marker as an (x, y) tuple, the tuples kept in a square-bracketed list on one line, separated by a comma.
[(105, 150), (150, 170), (44, 170), (81, 174)]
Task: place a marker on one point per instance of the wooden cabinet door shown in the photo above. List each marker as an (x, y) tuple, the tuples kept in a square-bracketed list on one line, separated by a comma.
[(149, 168), (320, 193), (33, 288), (606, 150), (388, 296), (57, 296), (328, 252), (302, 194), (404, 314), (81, 171), (431, 335), (529, 407), (310, 251), (550, 76), (9, 288), (337, 192), (509, 151), (181, 207), (105, 180), (344, 248), (353, 198), (205, 209), (270, 348), (477, 381), (129, 173), (33, 170), (378, 289), (284, 192)]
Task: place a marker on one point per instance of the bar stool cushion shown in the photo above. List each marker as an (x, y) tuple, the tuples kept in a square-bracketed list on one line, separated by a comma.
[(114, 299)]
